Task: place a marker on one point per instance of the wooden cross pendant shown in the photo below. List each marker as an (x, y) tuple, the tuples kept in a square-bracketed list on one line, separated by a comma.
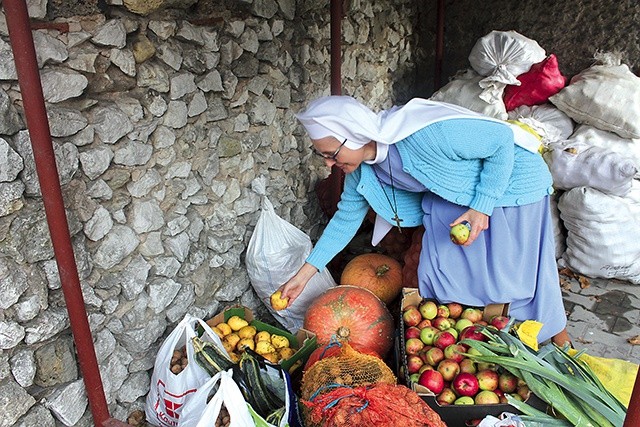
[(398, 221)]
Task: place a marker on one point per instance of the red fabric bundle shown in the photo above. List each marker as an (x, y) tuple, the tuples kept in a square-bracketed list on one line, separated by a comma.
[(538, 84), (380, 405)]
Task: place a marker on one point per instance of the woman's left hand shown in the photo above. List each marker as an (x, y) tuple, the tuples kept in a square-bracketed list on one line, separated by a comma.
[(478, 222)]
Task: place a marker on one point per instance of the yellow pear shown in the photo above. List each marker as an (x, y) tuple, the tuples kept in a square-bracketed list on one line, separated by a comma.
[(236, 323), (245, 343), (279, 341), (264, 347), (248, 331), (224, 328), (277, 302), (262, 336)]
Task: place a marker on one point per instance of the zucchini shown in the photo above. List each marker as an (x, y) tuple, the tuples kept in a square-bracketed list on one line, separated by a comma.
[(210, 357), (259, 396)]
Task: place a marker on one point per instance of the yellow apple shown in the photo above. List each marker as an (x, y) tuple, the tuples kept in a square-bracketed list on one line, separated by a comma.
[(277, 302), (459, 233)]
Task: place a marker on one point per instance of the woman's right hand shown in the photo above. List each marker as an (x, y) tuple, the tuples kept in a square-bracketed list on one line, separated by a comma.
[(294, 286)]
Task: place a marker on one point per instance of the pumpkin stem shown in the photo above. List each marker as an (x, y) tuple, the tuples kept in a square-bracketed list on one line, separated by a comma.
[(382, 270), (343, 333)]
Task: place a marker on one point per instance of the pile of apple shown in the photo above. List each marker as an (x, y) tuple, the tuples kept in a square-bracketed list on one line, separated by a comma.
[(436, 359)]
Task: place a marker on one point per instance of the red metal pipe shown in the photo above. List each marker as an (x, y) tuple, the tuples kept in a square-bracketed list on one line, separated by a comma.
[(437, 73), (36, 116), (633, 411), (330, 189)]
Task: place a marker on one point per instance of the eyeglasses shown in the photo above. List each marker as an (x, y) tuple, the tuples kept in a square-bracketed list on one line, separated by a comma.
[(331, 156)]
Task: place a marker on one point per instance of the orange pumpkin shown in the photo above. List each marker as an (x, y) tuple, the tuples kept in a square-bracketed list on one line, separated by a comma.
[(352, 314), (378, 273)]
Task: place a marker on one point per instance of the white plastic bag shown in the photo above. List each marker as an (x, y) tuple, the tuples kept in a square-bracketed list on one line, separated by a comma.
[(169, 392), (276, 252), (200, 413), (548, 121), (502, 56)]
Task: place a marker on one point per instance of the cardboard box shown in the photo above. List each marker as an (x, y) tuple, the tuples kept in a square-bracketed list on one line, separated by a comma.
[(303, 341), (452, 415)]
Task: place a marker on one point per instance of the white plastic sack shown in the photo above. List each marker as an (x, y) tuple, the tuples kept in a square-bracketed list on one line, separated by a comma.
[(603, 232), (200, 413), (604, 96), (464, 90), (502, 56), (276, 252), (558, 229), (169, 392), (548, 122), (579, 165), (593, 137)]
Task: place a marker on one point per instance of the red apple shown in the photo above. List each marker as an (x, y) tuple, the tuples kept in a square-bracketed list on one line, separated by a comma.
[(412, 332), (455, 310), (443, 311), (468, 365), (413, 346), (432, 380), (411, 316), (486, 397), (414, 363), (424, 323), (473, 314), (508, 382), (442, 323), (465, 384), (428, 334), (428, 309), (487, 379), (482, 322), (443, 339), (449, 369), (426, 367), (434, 356), (455, 352), (472, 332), (446, 396), (499, 322)]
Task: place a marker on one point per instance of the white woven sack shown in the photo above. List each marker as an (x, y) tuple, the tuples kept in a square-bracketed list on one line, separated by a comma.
[(502, 56), (591, 136), (604, 96), (276, 251), (558, 229), (465, 91), (548, 122), (578, 164), (603, 232)]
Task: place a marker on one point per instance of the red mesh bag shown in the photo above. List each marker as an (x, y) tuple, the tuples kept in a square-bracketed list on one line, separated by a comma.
[(411, 260), (538, 84), (379, 405)]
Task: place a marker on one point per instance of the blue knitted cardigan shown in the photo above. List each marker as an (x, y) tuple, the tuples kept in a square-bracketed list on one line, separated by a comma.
[(470, 162)]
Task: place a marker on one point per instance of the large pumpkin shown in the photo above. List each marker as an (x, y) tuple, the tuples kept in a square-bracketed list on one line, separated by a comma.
[(353, 314), (378, 273)]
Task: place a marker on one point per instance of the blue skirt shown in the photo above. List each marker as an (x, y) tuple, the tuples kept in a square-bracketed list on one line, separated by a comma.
[(513, 261)]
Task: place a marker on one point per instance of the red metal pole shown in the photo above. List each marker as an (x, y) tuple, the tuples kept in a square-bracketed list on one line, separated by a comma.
[(633, 411), (36, 116), (330, 189)]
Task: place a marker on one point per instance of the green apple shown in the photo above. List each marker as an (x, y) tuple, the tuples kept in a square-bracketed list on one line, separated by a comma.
[(464, 400), (459, 233)]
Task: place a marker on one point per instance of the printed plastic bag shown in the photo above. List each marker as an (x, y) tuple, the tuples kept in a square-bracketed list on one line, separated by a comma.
[(275, 253), (169, 392), (199, 412)]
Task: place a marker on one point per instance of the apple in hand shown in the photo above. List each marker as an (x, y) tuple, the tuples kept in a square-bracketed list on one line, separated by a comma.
[(465, 384), (459, 233), (277, 302)]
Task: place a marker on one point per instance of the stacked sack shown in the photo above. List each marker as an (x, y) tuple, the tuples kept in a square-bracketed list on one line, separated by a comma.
[(590, 134)]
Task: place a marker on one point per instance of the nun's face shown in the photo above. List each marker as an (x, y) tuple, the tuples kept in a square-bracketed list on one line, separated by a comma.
[(334, 152)]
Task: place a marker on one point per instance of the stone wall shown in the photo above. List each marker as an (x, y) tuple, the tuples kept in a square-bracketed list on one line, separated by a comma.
[(161, 119)]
